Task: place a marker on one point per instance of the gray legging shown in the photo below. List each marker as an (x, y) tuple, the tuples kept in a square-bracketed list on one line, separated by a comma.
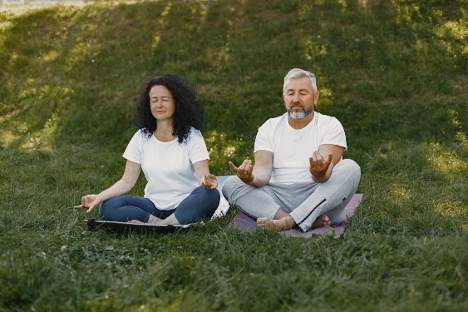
[(305, 202), (200, 203)]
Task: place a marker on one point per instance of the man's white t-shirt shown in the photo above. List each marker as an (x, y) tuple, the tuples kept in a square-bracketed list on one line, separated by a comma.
[(168, 166), (292, 148)]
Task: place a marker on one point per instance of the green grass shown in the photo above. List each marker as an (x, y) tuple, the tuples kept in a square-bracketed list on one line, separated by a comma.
[(393, 72)]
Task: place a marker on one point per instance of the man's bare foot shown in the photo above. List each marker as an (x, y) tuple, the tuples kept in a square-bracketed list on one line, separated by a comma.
[(282, 224), (321, 221)]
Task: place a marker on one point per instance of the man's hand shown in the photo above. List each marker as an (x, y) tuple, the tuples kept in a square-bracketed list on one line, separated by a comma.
[(209, 181), (318, 165), (89, 201), (244, 172)]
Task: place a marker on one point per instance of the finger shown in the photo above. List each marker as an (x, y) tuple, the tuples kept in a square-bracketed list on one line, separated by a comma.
[(213, 182), (83, 201), (312, 162), (245, 165), (249, 169), (318, 156), (90, 208), (77, 207), (212, 179), (206, 181), (233, 168), (330, 158), (241, 168)]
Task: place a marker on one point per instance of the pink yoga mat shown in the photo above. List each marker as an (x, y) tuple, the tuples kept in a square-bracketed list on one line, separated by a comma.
[(245, 223)]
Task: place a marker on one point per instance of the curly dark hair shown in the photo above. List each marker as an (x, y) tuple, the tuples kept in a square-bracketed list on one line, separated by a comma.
[(188, 109)]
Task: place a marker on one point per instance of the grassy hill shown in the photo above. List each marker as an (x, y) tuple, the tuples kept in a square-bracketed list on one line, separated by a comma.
[(393, 72)]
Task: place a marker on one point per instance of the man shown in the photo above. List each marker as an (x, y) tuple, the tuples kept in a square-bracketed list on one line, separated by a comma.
[(299, 177)]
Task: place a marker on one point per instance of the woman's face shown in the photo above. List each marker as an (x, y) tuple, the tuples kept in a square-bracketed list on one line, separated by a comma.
[(162, 104)]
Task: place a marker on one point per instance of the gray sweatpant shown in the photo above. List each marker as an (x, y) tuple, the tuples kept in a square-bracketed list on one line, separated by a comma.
[(305, 202)]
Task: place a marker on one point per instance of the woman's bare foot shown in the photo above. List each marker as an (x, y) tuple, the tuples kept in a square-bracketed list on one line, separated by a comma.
[(136, 222), (282, 224), (152, 220), (321, 221)]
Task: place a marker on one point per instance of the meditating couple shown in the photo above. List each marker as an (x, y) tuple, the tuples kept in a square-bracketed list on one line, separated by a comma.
[(298, 179)]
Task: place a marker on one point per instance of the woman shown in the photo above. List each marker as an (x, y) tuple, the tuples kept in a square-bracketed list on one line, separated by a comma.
[(173, 156)]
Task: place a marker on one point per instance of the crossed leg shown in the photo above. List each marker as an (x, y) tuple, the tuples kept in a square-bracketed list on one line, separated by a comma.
[(307, 205)]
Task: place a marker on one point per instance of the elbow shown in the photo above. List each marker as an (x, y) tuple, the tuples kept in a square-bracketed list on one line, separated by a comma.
[(127, 185), (262, 181)]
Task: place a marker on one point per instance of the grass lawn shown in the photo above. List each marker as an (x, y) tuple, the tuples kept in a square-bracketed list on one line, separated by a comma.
[(393, 72)]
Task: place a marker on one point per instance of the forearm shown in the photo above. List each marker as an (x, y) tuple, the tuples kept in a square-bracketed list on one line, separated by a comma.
[(120, 188), (261, 178)]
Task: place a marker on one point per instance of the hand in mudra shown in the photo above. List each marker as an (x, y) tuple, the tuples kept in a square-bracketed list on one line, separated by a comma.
[(209, 181), (244, 171), (318, 164), (89, 201)]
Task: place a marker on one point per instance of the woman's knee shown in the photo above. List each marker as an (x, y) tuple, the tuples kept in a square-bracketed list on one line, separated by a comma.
[(110, 205), (209, 195), (104, 208)]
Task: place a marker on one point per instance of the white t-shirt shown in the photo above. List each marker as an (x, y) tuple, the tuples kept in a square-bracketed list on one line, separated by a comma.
[(168, 166), (292, 148)]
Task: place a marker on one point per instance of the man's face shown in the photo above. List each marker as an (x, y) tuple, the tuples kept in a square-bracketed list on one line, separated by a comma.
[(299, 97)]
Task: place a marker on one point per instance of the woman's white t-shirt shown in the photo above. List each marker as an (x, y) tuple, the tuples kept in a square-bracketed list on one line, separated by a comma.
[(168, 166), (292, 148)]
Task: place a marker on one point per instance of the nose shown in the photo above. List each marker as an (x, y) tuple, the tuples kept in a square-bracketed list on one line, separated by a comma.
[(296, 97)]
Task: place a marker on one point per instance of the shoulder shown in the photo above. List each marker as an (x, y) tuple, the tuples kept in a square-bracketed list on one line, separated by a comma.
[(325, 120), (272, 123), (194, 137), (194, 134), (141, 136)]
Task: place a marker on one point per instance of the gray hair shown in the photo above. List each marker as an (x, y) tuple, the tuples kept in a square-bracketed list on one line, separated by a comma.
[(297, 73)]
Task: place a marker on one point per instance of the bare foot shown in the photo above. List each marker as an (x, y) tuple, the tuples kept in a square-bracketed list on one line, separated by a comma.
[(321, 221), (152, 220), (136, 222), (282, 224)]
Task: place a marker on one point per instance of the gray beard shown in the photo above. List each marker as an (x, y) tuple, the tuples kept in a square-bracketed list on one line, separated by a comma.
[(300, 115)]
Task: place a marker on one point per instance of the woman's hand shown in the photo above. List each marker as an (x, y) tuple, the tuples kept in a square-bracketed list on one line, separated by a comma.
[(209, 181), (89, 201)]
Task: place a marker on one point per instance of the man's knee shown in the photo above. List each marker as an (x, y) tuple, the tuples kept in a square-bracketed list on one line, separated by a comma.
[(348, 165), (348, 168), (230, 185)]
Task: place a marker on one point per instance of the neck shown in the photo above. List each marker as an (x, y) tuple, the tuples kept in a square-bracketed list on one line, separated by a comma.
[(164, 130), (300, 123)]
